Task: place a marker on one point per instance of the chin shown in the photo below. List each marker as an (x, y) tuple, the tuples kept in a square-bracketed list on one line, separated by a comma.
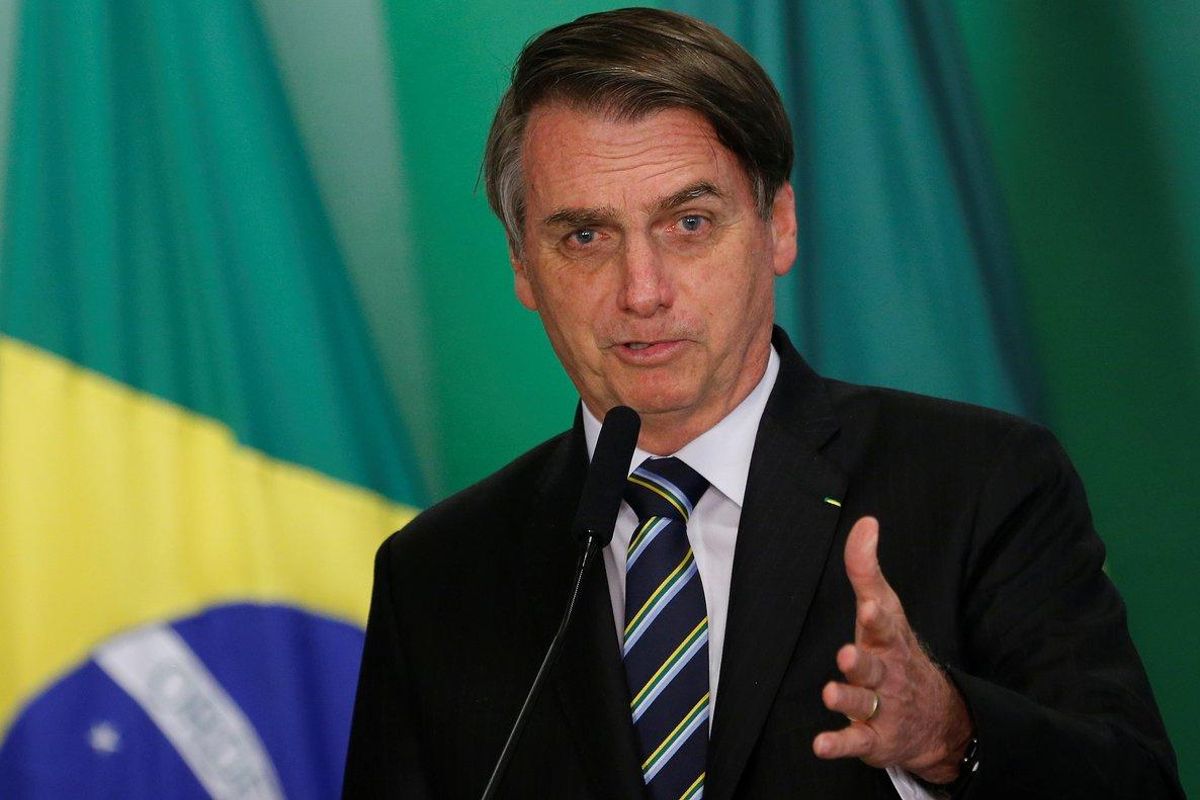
[(657, 403)]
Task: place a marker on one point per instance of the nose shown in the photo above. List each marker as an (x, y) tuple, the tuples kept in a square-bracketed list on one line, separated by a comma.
[(646, 285)]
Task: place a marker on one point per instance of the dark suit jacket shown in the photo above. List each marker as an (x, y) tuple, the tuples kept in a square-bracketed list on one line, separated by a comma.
[(986, 537)]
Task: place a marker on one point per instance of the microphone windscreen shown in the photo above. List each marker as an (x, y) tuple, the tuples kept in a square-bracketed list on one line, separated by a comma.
[(601, 499)]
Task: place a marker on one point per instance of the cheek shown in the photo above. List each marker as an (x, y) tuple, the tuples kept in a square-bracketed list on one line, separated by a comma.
[(567, 314), (579, 294), (736, 309), (734, 284)]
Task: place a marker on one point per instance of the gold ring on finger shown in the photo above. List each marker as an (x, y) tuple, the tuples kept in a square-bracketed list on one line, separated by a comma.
[(870, 714)]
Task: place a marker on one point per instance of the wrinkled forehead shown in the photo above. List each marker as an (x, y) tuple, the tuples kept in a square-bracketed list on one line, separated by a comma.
[(570, 153), (563, 142)]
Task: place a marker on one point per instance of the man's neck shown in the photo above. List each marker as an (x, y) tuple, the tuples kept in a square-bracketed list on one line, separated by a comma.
[(669, 432)]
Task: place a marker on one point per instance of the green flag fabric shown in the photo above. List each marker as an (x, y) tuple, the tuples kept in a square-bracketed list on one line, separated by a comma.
[(199, 450)]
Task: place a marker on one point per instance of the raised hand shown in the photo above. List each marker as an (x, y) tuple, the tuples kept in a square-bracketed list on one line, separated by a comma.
[(903, 710)]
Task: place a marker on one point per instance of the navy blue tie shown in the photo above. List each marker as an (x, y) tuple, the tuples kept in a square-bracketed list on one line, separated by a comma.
[(666, 631)]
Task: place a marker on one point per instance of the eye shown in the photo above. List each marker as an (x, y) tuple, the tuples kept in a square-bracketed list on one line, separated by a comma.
[(692, 223), (582, 237)]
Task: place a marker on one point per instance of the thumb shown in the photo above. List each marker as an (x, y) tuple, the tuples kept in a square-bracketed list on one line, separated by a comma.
[(862, 561)]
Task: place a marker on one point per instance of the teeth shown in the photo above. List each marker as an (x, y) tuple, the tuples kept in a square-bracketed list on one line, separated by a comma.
[(638, 345)]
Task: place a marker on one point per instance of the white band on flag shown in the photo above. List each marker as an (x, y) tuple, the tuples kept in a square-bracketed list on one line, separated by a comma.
[(155, 666)]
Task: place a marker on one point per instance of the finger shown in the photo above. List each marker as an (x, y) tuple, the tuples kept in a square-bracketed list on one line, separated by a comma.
[(862, 562), (854, 741), (860, 667), (854, 702), (880, 616), (875, 625)]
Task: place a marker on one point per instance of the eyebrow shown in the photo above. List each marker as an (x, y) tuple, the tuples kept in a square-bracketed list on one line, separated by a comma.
[(603, 215), (581, 217), (687, 194)]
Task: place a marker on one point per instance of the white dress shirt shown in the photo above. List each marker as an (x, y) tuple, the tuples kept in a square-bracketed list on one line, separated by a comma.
[(722, 455)]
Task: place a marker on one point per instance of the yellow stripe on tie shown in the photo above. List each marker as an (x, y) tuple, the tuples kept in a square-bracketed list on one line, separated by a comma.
[(662, 588), (641, 533), (118, 508), (684, 645), (665, 495), (688, 718), (833, 502), (691, 791)]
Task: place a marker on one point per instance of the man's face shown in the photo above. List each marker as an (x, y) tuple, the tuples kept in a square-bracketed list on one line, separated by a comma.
[(649, 264)]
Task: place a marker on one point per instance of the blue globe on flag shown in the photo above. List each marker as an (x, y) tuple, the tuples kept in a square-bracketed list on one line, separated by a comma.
[(240, 701)]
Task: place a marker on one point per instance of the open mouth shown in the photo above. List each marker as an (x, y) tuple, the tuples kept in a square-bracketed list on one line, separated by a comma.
[(652, 352)]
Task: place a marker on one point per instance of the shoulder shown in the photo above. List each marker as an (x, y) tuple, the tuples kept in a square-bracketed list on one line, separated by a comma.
[(910, 442), (482, 513), (858, 401), (851, 420), (875, 417)]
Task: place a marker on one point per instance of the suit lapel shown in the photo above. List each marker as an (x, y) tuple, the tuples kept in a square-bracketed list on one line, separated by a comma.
[(783, 547), (588, 680)]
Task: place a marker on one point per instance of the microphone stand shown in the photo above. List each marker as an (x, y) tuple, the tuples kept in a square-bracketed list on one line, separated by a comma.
[(594, 521), (585, 560)]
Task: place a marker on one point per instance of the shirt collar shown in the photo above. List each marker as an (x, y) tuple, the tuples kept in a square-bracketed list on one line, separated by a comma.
[(722, 453)]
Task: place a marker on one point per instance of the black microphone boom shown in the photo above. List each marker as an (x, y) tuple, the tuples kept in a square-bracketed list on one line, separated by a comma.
[(594, 522)]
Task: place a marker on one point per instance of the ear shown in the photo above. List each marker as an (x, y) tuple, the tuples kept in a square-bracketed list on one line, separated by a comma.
[(521, 283), (783, 229)]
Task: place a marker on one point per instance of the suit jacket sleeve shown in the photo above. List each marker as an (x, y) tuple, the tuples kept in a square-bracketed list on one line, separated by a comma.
[(383, 758), (1060, 700)]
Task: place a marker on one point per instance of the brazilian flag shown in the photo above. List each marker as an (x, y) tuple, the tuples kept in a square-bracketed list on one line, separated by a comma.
[(197, 455)]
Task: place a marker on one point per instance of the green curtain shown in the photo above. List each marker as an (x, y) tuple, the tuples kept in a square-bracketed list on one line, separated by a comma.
[(1091, 112)]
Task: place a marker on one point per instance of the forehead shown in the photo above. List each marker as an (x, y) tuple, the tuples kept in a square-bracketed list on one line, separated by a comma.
[(589, 158)]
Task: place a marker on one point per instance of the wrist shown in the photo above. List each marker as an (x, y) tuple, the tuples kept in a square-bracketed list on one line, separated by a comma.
[(965, 769), (949, 741), (953, 741)]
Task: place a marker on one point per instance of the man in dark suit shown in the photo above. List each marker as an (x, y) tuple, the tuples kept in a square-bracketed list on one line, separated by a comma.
[(892, 595)]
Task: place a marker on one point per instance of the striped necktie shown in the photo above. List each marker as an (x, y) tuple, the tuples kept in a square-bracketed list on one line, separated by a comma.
[(666, 631)]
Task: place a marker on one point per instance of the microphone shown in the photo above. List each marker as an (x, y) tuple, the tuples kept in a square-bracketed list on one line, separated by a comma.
[(601, 499), (594, 521)]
